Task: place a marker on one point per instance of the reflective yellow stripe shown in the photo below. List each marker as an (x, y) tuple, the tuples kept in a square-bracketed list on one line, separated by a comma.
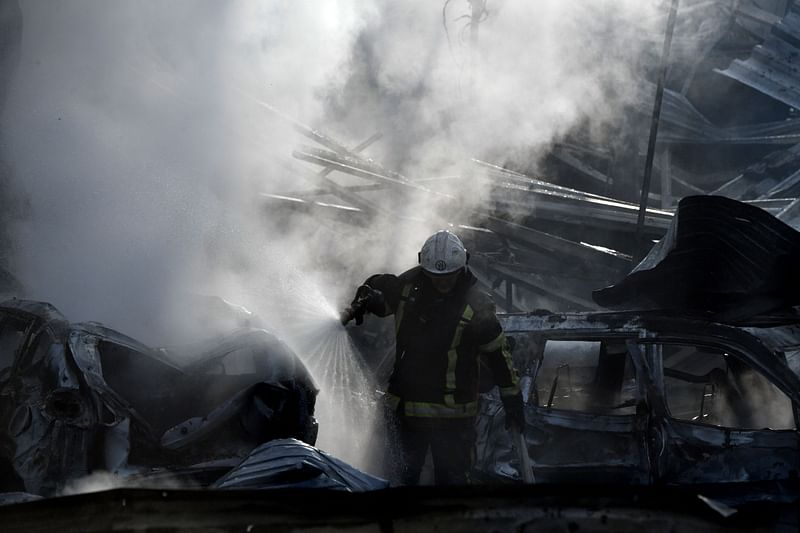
[(465, 318), (452, 355), (493, 344), (510, 364), (513, 390), (398, 315), (438, 410), (499, 342)]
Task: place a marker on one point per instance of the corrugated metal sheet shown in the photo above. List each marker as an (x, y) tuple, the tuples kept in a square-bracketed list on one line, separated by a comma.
[(290, 463), (771, 177), (682, 123), (774, 66)]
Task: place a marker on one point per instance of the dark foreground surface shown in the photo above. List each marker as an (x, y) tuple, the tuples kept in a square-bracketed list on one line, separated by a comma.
[(497, 509)]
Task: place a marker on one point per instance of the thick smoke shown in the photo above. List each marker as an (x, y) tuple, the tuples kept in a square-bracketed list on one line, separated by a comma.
[(534, 71), (139, 136), (101, 481), (140, 155)]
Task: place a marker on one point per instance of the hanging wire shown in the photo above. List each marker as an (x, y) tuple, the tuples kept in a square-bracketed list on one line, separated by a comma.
[(482, 16)]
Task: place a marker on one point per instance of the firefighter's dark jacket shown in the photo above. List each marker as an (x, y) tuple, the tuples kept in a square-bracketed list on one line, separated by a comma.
[(441, 340)]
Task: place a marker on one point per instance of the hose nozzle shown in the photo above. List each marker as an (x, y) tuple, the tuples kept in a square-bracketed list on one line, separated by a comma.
[(347, 315)]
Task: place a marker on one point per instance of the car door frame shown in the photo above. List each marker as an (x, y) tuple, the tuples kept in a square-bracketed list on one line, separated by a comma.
[(565, 424), (687, 452)]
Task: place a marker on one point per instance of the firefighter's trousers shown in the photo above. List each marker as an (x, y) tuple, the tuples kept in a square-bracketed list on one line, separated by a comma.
[(450, 440)]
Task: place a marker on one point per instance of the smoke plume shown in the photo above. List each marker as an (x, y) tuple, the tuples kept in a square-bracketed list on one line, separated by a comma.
[(141, 135)]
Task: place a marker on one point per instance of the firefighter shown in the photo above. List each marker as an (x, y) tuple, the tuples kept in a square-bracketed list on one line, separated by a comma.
[(444, 327)]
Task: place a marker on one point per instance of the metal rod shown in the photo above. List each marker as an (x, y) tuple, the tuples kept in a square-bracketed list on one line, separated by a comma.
[(376, 136), (666, 178), (525, 463), (366, 144), (651, 145)]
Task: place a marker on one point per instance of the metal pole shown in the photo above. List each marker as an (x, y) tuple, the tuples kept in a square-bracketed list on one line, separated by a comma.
[(651, 145), (666, 178), (525, 463)]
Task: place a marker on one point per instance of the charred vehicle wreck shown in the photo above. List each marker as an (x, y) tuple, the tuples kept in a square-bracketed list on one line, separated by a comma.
[(691, 384), (650, 398), (81, 398), (698, 384)]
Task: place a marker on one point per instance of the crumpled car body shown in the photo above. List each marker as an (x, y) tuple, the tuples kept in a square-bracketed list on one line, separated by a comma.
[(651, 398), (80, 398), (696, 382)]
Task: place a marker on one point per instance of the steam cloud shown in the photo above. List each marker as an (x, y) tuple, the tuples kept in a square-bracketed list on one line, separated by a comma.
[(135, 132)]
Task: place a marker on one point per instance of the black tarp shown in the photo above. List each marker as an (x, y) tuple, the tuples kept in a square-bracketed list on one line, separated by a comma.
[(720, 256)]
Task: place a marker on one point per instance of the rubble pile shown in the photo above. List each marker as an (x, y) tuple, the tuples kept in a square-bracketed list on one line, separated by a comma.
[(728, 127)]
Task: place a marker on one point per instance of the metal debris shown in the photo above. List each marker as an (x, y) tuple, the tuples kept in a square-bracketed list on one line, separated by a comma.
[(771, 68), (77, 398), (289, 463)]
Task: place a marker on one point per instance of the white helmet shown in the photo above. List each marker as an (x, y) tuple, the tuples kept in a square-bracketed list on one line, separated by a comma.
[(443, 253)]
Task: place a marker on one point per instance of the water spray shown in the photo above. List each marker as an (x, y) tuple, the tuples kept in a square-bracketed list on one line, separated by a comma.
[(312, 326)]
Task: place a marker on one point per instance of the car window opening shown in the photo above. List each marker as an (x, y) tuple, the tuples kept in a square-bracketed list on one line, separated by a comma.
[(709, 386), (590, 376)]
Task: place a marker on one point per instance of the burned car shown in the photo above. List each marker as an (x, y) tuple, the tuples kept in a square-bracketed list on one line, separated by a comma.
[(647, 398), (80, 398), (699, 383)]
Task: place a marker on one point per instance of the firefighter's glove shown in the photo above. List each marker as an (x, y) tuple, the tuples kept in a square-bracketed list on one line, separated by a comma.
[(367, 299), (515, 413), (371, 298), (348, 314)]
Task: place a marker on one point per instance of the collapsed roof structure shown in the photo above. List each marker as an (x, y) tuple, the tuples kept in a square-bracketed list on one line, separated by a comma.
[(548, 241)]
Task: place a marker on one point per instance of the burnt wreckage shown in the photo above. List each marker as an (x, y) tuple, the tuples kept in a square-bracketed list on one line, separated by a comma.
[(700, 385), (686, 373), (80, 398), (694, 380)]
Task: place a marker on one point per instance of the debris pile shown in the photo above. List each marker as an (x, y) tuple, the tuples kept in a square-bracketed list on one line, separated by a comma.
[(547, 237)]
